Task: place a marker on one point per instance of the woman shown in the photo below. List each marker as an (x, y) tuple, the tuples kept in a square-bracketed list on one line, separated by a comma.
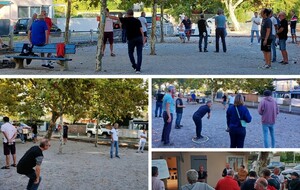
[(237, 132)]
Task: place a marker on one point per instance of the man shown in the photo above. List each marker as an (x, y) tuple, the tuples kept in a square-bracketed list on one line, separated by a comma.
[(220, 22), (188, 27), (266, 37), (242, 174), (255, 27), (197, 117), (49, 26), (9, 145), (231, 100), (202, 25), (249, 183), (278, 177), (202, 175), (159, 99), (294, 20), (168, 107), (282, 35), (274, 31), (295, 181), (179, 111), (114, 140), (266, 173), (33, 158), (157, 184), (65, 132), (38, 36), (268, 110), (34, 132), (226, 169), (135, 36), (227, 183), (144, 25), (108, 33), (261, 184), (192, 176)]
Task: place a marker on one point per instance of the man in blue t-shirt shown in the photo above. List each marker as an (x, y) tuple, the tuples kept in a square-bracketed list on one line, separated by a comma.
[(197, 117), (168, 114), (220, 22)]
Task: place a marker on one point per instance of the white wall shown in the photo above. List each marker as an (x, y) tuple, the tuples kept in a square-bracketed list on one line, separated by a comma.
[(77, 24)]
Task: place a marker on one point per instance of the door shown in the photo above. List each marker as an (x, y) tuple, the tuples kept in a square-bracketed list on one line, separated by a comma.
[(197, 161)]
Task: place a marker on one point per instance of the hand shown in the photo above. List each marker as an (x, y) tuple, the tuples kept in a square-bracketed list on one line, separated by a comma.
[(169, 120), (265, 42), (208, 117), (37, 181)]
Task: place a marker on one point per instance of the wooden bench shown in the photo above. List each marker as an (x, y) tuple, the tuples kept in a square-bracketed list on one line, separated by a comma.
[(49, 48)]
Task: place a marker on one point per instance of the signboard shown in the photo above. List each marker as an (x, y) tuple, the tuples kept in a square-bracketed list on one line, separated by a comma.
[(163, 171)]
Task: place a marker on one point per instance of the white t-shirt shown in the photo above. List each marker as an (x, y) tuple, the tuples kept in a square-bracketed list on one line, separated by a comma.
[(157, 184), (274, 22), (144, 23), (143, 139), (9, 129), (114, 132), (255, 20), (231, 99), (109, 25)]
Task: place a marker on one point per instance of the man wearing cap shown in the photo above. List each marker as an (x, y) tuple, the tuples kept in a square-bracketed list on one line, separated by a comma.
[(268, 110), (168, 107), (197, 117), (228, 183), (295, 182)]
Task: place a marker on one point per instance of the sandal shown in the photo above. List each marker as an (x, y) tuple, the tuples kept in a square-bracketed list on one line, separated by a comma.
[(112, 54), (14, 165), (5, 167)]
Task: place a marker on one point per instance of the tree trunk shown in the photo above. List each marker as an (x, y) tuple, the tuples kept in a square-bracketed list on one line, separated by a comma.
[(162, 23), (153, 29), (235, 23), (97, 133), (262, 161), (54, 117), (100, 37), (61, 135), (68, 22)]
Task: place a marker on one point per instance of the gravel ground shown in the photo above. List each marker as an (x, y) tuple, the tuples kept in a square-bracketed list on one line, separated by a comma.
[(174, 58), (82, 166), (286, 132)]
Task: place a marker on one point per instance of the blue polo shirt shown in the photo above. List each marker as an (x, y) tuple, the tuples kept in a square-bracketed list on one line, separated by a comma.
[(220, 21), (168, 99), (38, 36)]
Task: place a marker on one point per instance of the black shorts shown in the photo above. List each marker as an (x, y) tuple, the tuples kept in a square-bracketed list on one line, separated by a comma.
[(266, 48), (108, 36), (145, 34), (9, 149)]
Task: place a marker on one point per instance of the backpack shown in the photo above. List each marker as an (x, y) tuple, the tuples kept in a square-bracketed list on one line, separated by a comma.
[(60, 50)]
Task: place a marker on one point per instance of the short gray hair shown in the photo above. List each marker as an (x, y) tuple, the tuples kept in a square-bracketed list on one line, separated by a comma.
[(192, 176), (230, 172)]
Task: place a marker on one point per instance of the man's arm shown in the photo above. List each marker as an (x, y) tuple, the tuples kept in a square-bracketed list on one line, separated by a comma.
[(47, 36), (29, 36), (267, 35), (5, 135), (168, 112), (142, 32), (37, 173)]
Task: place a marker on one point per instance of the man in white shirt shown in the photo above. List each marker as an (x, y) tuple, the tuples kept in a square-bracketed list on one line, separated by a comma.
[(108, 34), (114, 140), (9, 147), (143, 138), (274, 31), (144, 25), (256, 21), (157, 184), (231, 99)]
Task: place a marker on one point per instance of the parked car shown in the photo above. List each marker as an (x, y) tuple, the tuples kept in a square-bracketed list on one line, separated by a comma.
[(272, 165), (90, 130), (291, 170), (21, 26)]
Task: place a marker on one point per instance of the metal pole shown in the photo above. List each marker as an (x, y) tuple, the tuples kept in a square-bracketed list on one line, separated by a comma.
[(290, 106)]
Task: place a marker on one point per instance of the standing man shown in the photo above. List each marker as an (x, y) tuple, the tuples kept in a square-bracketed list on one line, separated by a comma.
[(114, 140), (179, 111), (274, 31), (34, 132), (109, 33), (224, 101), (33, 158), (249, 183), (220, 22), (266, 173), (144, 25), (65, 132), (255, 28), (282, 35), (135, 36), (228, 183), (9, 144), (49, 26), (202, 175), (242, 174), (226, 169), (261, 184), (294, 20), (266, 37), (188, 27), (268, 110), (278, 177), (159, 99), (168, 107), (202, 25), (197, 117), (295, 181), (231, 99), (157, 184)]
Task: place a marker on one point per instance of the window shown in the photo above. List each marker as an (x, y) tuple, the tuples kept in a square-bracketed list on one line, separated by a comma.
[(236, 161), (23, 12), (36, 10)]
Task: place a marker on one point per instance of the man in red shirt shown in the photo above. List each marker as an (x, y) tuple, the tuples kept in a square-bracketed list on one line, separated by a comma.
[(227, 183), (49, 25)]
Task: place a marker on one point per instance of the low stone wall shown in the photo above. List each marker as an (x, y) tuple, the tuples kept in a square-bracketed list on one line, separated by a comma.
[(75, 129)]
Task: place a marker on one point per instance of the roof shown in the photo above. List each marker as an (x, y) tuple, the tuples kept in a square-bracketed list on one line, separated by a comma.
[(5, 2)]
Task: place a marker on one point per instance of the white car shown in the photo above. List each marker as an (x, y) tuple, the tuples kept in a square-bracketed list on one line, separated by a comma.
[(90, 130)]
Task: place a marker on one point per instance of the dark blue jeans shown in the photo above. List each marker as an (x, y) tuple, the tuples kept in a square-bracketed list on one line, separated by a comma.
[(220, 32), (165, 137), (124, 38), (237, 137), (198, 123), (31, 185), (138, 43), (201, 37), (178, 119), (158, 106)]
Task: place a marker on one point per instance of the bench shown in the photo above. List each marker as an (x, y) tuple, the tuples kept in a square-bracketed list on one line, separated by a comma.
[(48, 48)]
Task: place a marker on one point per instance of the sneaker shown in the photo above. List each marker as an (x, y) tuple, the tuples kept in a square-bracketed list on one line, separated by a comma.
[(137, 72), (281, 61), (169, 144), (250, 44), (200, 50), (227, 130), (113, 55), (48, 65), (4, 46), (117, 156), (5, 167), (137, 151), (205, 50), (142, 151), (284, 63), (177, 127), (266, 66)]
